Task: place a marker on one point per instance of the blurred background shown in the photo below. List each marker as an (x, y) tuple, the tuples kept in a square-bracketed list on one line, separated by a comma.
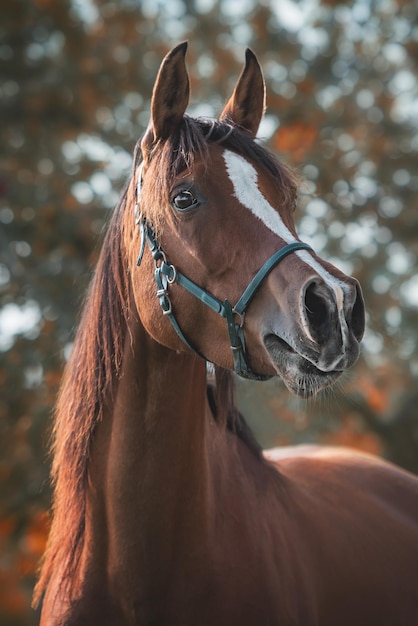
[(75, 84)]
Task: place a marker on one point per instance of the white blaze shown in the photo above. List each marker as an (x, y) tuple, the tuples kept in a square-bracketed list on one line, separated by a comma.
[(244, 178)]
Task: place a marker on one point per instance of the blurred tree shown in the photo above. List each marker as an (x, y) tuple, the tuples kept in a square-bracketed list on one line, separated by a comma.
[(75, 83)]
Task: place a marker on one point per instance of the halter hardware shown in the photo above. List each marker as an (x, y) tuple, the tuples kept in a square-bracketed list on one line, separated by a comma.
[(166, 274)]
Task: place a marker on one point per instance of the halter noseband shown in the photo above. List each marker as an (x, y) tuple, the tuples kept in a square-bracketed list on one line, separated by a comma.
[(166, 274)]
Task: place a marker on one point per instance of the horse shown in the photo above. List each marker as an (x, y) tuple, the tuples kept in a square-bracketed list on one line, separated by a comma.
[(166, 511)]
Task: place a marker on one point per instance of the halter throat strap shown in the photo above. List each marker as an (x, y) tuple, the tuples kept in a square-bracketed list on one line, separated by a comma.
[(166, 274)]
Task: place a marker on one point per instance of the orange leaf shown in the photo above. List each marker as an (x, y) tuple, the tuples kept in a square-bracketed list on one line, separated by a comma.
[(376, 397), (13, 600), (296, 139), (352, 436), (37, 534), (7, 525)]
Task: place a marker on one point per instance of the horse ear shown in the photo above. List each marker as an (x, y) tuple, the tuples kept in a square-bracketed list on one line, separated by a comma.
[(246, 106), (170, 97)]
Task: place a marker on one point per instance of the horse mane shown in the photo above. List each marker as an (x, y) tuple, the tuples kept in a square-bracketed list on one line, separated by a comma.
[(87, 389), (94, 367), (221, 399)]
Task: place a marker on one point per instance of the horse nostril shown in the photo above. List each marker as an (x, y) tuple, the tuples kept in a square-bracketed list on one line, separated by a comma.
[(357, 321), (317, 312), (322, 309)]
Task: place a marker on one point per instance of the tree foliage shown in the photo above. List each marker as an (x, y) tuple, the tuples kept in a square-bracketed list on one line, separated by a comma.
[(75, 84)]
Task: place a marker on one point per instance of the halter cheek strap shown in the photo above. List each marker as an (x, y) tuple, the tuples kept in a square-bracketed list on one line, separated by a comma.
[(166, 274)]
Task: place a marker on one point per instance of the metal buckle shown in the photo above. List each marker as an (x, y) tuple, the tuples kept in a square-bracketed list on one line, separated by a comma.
[(165, 301), (168, 310)]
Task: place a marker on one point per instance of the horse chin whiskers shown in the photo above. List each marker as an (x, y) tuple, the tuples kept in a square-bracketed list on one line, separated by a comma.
[(300, 375), (308, 385)]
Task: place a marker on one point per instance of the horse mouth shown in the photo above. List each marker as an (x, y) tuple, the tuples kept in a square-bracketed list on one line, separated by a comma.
[(299, 374)]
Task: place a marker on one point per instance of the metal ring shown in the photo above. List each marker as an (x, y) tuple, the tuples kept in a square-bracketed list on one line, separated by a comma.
[(170, 279), (241, 316), (159, 255)]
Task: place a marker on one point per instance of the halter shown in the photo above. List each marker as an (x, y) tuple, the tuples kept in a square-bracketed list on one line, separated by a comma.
[(166, 274)]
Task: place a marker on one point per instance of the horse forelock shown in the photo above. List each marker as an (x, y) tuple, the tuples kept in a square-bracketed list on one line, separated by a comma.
[(191, 143)]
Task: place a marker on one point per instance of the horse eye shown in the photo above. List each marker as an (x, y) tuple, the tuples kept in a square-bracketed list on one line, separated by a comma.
[(184, 200)]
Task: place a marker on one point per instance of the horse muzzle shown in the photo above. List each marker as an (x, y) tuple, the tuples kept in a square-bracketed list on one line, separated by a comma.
[(316, 336)]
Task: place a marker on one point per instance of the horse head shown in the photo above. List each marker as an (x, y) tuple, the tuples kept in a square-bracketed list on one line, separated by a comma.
[(216, 211)]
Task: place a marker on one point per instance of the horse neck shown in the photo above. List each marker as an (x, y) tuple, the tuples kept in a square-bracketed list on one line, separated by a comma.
[(149, 464)]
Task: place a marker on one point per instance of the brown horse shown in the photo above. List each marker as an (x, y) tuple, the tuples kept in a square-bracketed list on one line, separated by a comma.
[(165, 511)]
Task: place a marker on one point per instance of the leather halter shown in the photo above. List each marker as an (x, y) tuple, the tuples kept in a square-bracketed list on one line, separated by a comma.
[(165, 274)]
